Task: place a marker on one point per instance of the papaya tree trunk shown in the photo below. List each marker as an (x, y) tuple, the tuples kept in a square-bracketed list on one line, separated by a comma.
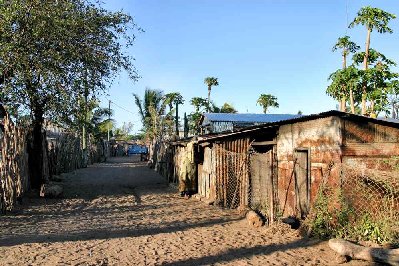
[(352, 100), (343, 104), (365, 64), (343, 98)]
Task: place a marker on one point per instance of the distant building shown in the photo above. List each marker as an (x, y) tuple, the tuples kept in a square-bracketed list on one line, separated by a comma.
[(228, 122)]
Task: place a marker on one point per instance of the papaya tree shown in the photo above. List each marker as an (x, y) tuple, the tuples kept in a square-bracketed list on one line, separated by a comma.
[(347, 47), (373, 19), (266, 101), (345, 84), (376, 80)]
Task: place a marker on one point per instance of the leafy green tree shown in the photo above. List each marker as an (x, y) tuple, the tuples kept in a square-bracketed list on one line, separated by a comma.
[(266, 101), (123, 132), (373, 19), (347, 47), (53, 52), (376, 80), (200, 104), (228, 108), (345, 83), (210, 81), (100, 122)]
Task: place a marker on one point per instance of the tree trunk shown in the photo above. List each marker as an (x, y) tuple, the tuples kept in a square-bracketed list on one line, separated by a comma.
[(343, 98), (343, 104), (365, 64), (185, 126), (346, 248), (209, 99), (36, 152), (352, 100), (177, 119)]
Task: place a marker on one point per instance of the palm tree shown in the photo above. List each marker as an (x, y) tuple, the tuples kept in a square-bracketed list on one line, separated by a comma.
[(151, 107), (175, 98), (151, 98), (347, 47), (210, 81), (266, 101), (373, 19)]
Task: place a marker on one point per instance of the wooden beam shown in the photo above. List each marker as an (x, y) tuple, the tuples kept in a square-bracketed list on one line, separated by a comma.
[(263, 143)]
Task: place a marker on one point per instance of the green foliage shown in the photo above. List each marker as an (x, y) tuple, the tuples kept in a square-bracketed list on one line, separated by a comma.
[(372, 86), (123, 132), (55, 51), (193, 122), (370, 229), (343, 222), (321, 224), (266, 101), (210, 82), (346, 45), (200, 104), (157, 123), (374, 19), (228, 108)]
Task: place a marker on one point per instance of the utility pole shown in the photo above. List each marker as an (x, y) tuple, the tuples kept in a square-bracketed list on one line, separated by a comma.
[(109, 116)]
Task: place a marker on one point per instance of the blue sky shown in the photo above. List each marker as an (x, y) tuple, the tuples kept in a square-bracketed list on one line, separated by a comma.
[(279, 47)]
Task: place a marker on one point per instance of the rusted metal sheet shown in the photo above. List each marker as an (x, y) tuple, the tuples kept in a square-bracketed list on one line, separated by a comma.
[(322, 138), (369, 132)]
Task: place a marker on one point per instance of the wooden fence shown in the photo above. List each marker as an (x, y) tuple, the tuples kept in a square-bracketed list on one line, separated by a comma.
[(13, 164), (64, 154)]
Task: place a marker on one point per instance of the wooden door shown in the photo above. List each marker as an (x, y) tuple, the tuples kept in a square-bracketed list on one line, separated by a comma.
[(302, 182), (262, 182)]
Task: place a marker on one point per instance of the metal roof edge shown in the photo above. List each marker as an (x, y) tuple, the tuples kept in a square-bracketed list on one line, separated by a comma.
[(301, 119)]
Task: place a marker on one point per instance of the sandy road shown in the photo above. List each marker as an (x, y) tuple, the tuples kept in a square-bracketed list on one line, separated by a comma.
[(122, 213)]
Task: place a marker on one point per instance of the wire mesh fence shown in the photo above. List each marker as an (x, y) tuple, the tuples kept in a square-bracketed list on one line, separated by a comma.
[(364, 206)]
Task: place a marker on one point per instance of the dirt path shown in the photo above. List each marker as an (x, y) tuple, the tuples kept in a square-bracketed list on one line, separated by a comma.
[(122, 213)]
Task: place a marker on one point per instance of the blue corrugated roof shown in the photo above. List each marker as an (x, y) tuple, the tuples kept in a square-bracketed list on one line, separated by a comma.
[(248, 118)]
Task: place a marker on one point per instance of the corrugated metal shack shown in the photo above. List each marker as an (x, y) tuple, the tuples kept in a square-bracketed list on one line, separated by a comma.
[(277, 168), (229, 122)]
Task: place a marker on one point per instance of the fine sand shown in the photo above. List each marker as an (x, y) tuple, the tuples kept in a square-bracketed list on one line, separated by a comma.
[(123, 213)]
